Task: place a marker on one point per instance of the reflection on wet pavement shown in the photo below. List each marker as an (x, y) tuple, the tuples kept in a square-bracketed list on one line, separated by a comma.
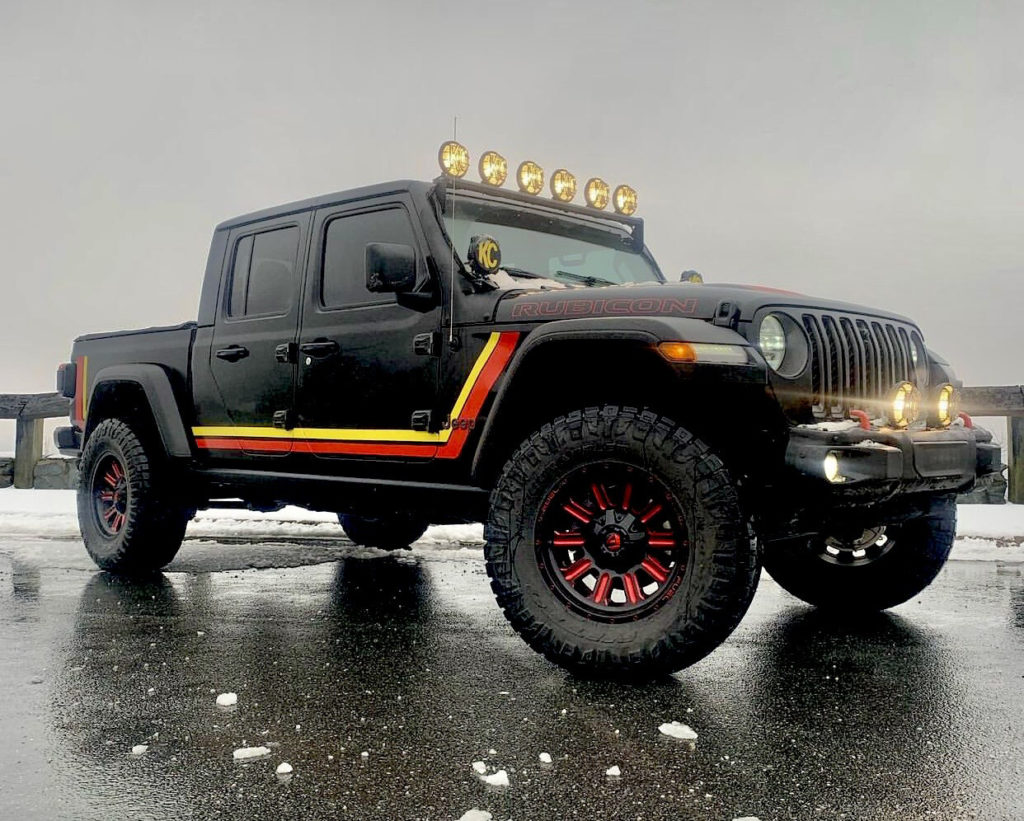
[(911, 714)]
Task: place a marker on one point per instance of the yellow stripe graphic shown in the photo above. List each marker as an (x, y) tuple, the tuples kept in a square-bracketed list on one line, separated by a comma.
[(364, 434)]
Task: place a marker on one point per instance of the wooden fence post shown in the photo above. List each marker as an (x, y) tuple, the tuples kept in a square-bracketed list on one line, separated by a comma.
[(1015, 492), (28, 450)]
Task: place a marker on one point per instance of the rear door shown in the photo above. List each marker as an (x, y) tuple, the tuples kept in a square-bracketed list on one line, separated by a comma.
[(252, 356), (362, 375)]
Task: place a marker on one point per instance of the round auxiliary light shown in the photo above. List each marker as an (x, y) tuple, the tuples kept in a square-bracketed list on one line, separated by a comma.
[(596, 192), (493, 168), (454, 159), (563, 185), (830, 465), (624, 200), (771, 339), (947, 405), (904, 405), (530, 177)]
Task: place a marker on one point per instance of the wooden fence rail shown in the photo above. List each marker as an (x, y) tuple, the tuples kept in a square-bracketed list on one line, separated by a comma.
[(30, 409)]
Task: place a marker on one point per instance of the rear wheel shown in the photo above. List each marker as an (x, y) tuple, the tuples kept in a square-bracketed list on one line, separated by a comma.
[(393, 532), (867, 569), (131, 518), (616, 544)]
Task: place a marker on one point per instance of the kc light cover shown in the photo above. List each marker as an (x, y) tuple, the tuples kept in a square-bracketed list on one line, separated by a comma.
[(530, 177), (596, 193), (454, 159), (493, 168)]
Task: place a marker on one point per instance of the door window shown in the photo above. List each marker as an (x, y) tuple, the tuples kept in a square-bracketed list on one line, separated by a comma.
[(263, 278), (343, 281)]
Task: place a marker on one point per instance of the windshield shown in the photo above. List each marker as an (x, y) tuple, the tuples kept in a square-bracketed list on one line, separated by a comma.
[(569, 252)]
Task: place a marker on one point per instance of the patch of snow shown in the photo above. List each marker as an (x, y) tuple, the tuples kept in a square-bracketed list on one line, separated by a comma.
[(845, 424), (140, 749), (479, 767), (492, 751), (498, 779), (245, 753), (284, 768), (364, 754), (545, 758), (613, 771), (675, 729), (476, 815), (747, 818), (227, 699)]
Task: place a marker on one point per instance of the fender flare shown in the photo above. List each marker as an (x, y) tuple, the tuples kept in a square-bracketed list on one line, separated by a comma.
[(645, 330), (156, 385)]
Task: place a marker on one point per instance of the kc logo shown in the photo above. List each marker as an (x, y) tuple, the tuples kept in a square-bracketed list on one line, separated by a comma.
[(485, 254)]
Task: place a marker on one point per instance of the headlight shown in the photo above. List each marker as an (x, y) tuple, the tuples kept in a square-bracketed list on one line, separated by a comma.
[(771, 339), (596, 192), (530, 177), (493, 168), (563, 185), (624, 200), (946, 406), (454, 159), (904, 405)]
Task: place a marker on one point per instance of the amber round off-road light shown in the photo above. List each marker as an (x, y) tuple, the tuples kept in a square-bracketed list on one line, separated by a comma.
[(596, 192), (563, 185), (453, 158), (530, 177), (493, 168), (946, 406), (624, 200), (903, 406)]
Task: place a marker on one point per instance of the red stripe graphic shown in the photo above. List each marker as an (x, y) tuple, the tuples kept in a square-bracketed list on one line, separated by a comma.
[(80, 392)]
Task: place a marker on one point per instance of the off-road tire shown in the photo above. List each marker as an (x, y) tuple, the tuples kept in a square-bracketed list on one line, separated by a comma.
[(919, 550), (395, 532), (155, 516), (718, 580)]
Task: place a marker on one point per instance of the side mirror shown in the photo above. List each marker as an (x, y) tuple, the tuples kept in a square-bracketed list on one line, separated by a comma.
[(390, 267)]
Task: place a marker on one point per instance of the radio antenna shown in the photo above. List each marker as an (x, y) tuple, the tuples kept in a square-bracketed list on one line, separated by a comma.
[(451, 205)]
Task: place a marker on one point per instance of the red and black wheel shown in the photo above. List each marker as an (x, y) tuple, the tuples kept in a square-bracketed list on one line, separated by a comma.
[(616, 544), (130, 511), (612, 541)]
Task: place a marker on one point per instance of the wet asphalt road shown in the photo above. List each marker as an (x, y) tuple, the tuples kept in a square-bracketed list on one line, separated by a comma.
[(914, 714)]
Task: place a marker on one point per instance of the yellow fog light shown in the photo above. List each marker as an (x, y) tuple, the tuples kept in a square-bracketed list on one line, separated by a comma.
[(493, 168), (624, 200), (947, 406), (904, 405), (596, 192), (454, 159), (530, 177), (563, 185), (830, 465)]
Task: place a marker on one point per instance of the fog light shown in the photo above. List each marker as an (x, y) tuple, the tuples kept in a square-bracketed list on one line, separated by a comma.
[(624, 200), (904, 405), (493, 168), (946, 406), (530, 177), (563, 185), (454, 159), (831, 467), (596, 192)]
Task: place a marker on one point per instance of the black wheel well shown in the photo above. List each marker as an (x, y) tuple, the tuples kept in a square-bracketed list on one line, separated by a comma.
[(739, 421), (126, 401)]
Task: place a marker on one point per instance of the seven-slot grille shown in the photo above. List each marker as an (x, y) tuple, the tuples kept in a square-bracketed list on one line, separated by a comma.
[(855, 361)]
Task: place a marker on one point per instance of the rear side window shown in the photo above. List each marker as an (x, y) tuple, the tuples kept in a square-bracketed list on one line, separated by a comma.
[(343, 281), (263, 277)]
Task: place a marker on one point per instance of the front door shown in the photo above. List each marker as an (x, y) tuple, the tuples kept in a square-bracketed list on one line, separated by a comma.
[(368, 362), (252, 357)]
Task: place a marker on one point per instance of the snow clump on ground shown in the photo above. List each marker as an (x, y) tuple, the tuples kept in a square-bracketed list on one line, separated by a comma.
[(675, 729)]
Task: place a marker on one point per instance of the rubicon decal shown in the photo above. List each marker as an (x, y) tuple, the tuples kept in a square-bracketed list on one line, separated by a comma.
[(642, 306), (444, 444)]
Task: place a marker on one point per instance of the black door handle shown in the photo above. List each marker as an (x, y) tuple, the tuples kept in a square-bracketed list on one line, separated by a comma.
[(320, 348), (233, 353)]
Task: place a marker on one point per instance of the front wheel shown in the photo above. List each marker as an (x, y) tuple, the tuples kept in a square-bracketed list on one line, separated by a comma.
[(873, 568), (616, 544)]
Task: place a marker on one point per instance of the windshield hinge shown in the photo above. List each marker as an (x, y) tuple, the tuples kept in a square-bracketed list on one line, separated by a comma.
[(727, 315)]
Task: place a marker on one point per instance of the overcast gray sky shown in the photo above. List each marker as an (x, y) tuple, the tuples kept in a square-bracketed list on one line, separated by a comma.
[(866, 151)]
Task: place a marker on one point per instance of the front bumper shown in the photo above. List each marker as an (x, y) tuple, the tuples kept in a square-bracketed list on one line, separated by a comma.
[(884, 461)]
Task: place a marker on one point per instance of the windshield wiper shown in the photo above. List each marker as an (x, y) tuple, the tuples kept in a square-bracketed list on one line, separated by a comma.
[(589, 280), (522, 272)]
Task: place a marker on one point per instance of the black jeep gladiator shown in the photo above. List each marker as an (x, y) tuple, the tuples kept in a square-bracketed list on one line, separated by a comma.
[(414, 353)]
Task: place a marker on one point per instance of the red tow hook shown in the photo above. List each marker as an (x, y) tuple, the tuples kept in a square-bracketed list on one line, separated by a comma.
[(968, 422), (862, 417)]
